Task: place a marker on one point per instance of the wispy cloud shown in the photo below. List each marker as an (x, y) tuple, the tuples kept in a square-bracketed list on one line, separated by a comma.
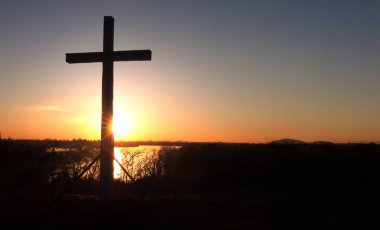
[(45, 108)]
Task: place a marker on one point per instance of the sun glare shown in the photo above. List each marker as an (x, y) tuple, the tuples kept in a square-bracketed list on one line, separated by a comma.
[(122, 125)]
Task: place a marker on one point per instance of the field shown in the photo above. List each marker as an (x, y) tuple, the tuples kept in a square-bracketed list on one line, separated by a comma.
[(200, 185)]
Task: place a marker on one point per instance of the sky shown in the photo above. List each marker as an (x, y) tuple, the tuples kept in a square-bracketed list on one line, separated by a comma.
[(231, 71)]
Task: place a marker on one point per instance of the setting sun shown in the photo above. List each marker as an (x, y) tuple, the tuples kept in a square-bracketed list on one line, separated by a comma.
[(122, 125)]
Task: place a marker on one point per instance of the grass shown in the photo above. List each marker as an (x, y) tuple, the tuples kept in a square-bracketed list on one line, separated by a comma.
[(264, 186)]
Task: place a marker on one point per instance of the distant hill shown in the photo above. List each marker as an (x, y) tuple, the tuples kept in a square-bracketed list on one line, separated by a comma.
[(322, 143), (288, 141)]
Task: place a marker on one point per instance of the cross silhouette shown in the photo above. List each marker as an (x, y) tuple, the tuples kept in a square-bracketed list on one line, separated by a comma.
[(107, 57)]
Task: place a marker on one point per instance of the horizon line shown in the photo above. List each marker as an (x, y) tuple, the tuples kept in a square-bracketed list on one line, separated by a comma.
[(195, 142)]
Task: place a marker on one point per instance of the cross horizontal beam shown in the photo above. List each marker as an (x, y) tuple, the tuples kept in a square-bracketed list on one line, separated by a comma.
[(130, 55)]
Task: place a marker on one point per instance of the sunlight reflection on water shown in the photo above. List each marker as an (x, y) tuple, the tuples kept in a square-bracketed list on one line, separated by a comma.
[(116, 166), (138, 161), (133, 159)]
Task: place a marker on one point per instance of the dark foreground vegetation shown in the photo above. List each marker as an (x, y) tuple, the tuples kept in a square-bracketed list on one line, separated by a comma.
[(261, 186)]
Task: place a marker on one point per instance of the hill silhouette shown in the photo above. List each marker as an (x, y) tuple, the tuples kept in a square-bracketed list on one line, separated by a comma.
[(287, 141)]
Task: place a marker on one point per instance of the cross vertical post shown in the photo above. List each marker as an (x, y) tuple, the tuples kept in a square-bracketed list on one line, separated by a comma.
[(107, 57), (107, 138)]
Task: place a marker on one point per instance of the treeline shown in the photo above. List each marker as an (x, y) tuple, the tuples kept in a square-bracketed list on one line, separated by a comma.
[(84, 143), (272, 170), (29, 168)]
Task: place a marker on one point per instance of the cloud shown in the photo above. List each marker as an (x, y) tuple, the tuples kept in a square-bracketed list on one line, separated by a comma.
[(46, 108)]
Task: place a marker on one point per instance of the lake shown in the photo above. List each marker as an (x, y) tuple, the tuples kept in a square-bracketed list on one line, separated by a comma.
[(138, 161), (135, 160)]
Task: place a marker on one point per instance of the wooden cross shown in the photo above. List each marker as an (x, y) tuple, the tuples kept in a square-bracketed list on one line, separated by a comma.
[(107, 57)]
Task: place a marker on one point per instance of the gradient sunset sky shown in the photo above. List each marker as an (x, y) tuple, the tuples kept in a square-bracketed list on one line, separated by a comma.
[(234, 71)]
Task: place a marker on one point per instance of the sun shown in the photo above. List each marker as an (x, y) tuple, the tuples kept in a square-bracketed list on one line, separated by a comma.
[(122, 125)]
